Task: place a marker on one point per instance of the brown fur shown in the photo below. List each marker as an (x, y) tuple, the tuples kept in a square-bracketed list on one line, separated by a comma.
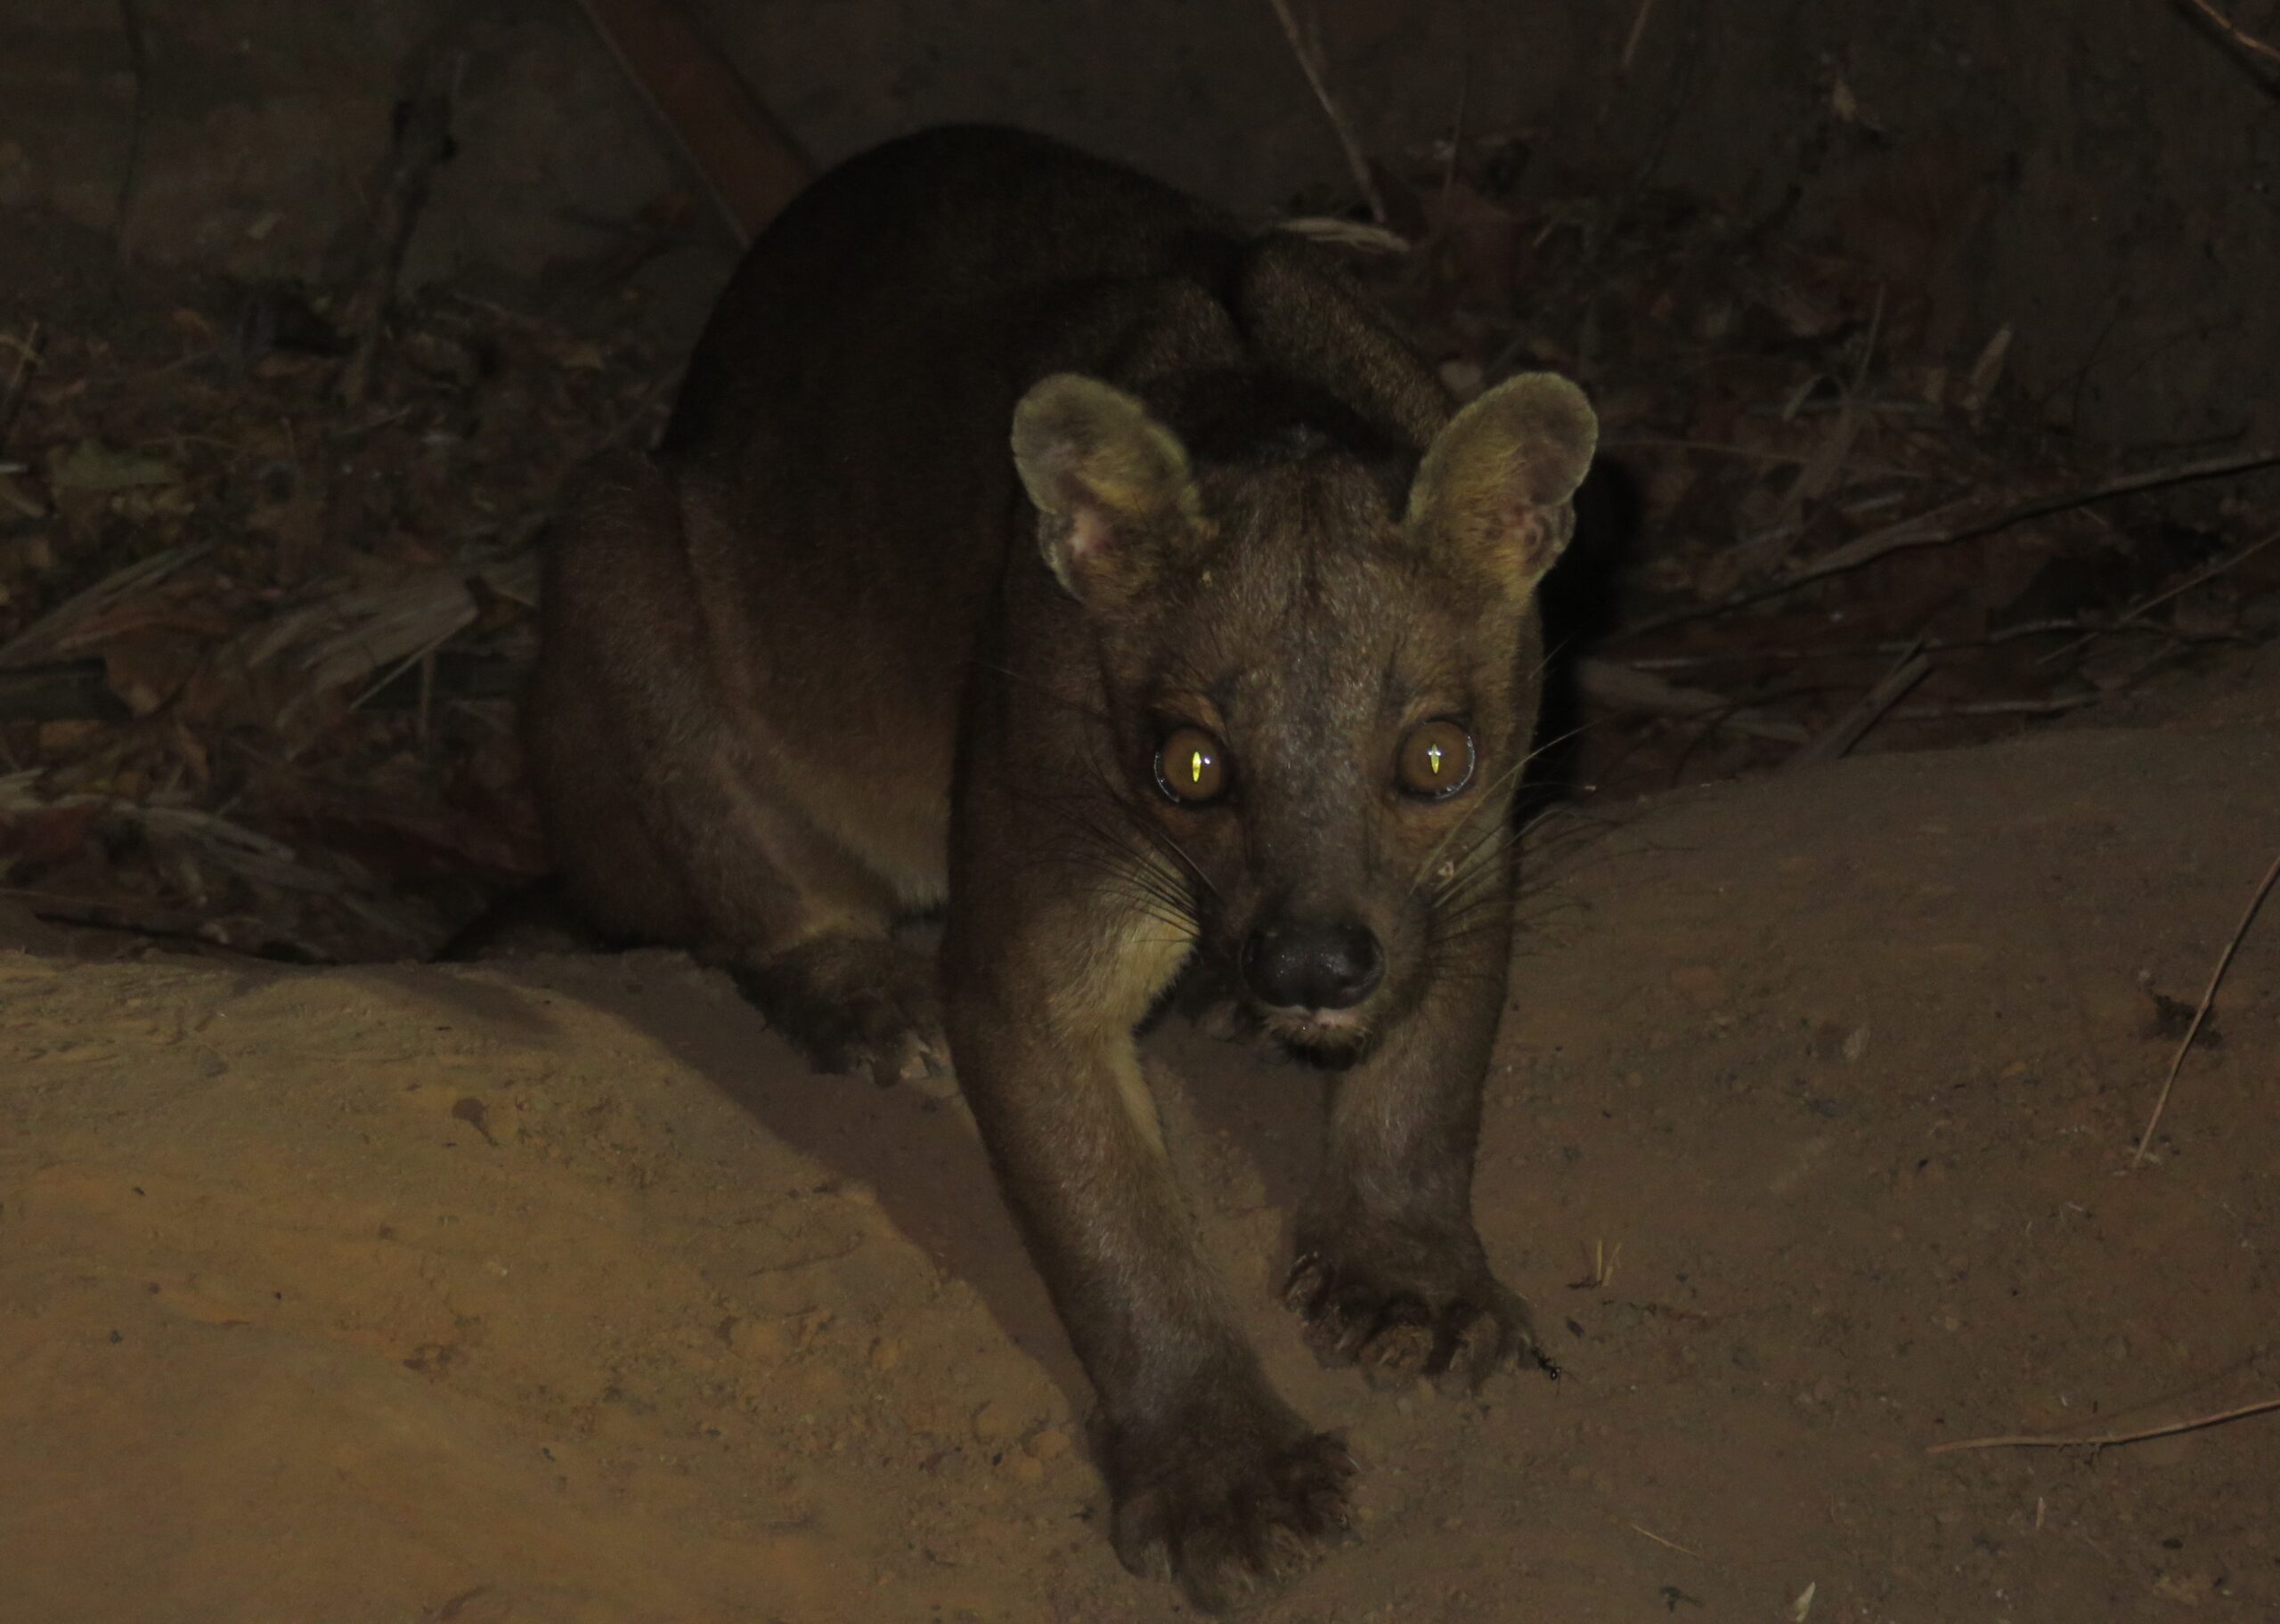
[(996, 465)]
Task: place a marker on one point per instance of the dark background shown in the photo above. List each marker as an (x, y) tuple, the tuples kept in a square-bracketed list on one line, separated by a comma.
[(2101, 175)]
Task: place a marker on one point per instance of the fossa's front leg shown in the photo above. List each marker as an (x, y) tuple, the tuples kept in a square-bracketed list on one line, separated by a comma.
[(1215, 1479), (1389, 1272)]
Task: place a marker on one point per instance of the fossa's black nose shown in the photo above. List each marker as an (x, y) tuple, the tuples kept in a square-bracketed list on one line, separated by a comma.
[(1312, 964)]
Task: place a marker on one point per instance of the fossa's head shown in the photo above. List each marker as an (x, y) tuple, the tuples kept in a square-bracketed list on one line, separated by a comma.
[(1321, 666)]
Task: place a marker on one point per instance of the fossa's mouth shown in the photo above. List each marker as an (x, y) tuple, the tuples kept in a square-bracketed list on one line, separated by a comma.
[(1326, 1034)]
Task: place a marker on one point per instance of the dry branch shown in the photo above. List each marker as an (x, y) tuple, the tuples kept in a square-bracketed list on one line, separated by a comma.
[(1965, 520), (423, 141), (2122, 621), (1975, 516), (1854, 726), (746, 161)]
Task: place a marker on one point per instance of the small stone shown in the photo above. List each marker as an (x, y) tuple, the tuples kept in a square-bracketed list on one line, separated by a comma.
[(886, 1353), (993, 1423), (1023, 1468), (1699, 982), (757, 1339), (1048, 1443)]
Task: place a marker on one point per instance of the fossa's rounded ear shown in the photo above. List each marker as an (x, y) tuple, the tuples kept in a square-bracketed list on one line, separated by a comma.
[(1110, 484), (1496, 483)]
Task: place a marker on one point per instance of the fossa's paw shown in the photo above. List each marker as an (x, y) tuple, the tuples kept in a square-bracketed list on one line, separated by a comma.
[(1400, 1310), (889, 1036), (1231, 1513), (856, 1005)]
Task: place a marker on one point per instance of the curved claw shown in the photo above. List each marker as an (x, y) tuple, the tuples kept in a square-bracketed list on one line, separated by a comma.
[(1227, 1528), (1397, 1335)]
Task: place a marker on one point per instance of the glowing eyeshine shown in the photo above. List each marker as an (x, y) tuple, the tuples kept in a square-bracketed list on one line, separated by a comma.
[(1436, 760), (1191, 768)]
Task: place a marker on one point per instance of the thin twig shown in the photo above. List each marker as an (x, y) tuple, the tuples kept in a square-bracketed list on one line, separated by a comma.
[(130, 22), (2207, 573), (26, 349), (1931, 646), (2058, 705), (1666, 442), (1456, 125), (1966, 520), (1971, 517), (2046, 1441), (2208, 997), (1630, 49), (2240, 36), (1356, 160)]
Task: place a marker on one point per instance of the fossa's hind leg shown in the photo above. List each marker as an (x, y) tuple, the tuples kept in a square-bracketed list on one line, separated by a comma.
[(667, 813)]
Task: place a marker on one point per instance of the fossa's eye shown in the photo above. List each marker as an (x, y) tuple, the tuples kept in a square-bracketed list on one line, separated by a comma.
[(1190, 767), (1436, 760)]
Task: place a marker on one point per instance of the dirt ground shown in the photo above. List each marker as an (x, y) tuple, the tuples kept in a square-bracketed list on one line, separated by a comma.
[(559, 1291)]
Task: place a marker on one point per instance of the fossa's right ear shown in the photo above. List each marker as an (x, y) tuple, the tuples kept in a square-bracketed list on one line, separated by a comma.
[(1110, 484)]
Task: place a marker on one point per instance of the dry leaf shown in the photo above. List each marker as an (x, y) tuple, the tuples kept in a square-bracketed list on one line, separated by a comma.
[(92, 466)]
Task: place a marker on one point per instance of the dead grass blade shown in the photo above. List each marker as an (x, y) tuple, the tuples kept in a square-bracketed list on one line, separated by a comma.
[(1347, 234), (76, 619)]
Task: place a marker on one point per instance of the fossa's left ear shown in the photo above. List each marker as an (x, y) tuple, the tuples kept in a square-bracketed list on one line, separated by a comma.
[(1496, 484), (1112, 485)]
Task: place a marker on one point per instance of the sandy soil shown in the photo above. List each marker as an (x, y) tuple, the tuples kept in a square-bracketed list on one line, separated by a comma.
[(559, 1291)]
